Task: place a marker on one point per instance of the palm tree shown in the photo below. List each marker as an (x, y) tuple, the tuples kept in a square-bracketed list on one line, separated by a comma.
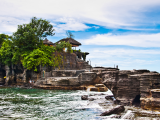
[(69, 34)]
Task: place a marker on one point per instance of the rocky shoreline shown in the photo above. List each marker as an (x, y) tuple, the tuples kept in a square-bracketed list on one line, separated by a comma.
[(109, 108), (129, 87)]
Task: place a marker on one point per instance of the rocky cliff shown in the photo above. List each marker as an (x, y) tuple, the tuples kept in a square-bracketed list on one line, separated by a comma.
[(132, 87), (68, 79)]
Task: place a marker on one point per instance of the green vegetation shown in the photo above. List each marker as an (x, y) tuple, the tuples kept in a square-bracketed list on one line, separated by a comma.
[(29, 36), (26, 46), (3, 37), (77, 50), (6, 53)]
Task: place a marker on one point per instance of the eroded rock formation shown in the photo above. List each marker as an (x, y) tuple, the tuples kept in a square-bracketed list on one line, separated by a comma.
[(118, 109), (68, 79), (133, 87)]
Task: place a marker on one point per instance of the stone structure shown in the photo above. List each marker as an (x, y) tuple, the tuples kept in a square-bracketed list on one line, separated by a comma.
[(71, 62), (131, 87), (81, 55), (47, 42), (72, 41), (16, 74), (75, 44), (67, 79)]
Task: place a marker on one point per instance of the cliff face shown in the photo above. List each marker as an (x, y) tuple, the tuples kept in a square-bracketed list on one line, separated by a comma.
[(71, 62), (131, 87), (68, 79), (2, 74), (18, 73), (150, 89)]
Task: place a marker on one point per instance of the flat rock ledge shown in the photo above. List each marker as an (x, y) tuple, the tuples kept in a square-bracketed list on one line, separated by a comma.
[(67, 82), (51, 87)]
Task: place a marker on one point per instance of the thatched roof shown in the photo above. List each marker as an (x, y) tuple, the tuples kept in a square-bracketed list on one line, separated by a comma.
[(71, 41), (46, 41)]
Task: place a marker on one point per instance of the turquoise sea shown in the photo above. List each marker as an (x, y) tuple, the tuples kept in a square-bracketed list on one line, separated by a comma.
[(38, 104), (19, 103)]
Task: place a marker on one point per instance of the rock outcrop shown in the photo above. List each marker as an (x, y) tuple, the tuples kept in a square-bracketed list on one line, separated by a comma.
[(2, 75), (84, 97), (133, 87), (67, 79), (21, 76), (116, 110), (98, 88)]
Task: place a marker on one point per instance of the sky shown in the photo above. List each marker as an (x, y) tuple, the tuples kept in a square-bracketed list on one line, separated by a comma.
[(114, 32)]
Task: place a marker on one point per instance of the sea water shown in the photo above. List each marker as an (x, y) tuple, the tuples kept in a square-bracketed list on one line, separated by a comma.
[(38, 104), (19, 103)]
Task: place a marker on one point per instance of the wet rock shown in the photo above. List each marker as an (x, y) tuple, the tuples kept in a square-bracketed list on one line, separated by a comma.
[(99, 85), (102, 89), (93, 89), (97, 94), (118, 109), (109, 97), (91, 99), (99, 89), (129, 115), (92, 94), (84, 97), (116, 116)]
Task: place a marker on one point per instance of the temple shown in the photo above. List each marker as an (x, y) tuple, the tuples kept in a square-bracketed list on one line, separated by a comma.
[(73, 42), (17, 74)]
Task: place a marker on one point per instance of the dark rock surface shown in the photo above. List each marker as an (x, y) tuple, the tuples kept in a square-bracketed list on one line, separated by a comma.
[(132, 87), (109, 97), (91, 99), (118, 109), (84, 97)]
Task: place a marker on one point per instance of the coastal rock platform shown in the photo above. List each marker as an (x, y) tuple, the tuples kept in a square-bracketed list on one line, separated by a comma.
[(133, 87), (69, 82)]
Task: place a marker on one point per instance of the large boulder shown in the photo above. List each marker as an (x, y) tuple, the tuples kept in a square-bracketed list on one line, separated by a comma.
[(109, 97), (118, 109), (84, 97)]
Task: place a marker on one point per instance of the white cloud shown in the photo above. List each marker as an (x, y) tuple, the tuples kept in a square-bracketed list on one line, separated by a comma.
[(109, 13), (10, 24), (70, 24), (140, 40), (106, 52), (125, 58), (125, 14)]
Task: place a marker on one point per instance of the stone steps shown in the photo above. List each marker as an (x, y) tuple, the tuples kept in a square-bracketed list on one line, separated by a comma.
[(88, 67)]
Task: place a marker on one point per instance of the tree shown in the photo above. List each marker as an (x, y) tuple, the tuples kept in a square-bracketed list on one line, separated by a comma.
[(29, 36), (6, 52), (26, 47), (63, 44), (69, 34), (3, 37), (44, 55)]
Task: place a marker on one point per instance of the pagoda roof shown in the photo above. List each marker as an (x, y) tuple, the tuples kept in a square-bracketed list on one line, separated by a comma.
[(71, 41), (46, 41)]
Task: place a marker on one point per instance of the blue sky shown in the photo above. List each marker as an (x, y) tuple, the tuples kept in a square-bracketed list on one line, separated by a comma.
[(115, 32)]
